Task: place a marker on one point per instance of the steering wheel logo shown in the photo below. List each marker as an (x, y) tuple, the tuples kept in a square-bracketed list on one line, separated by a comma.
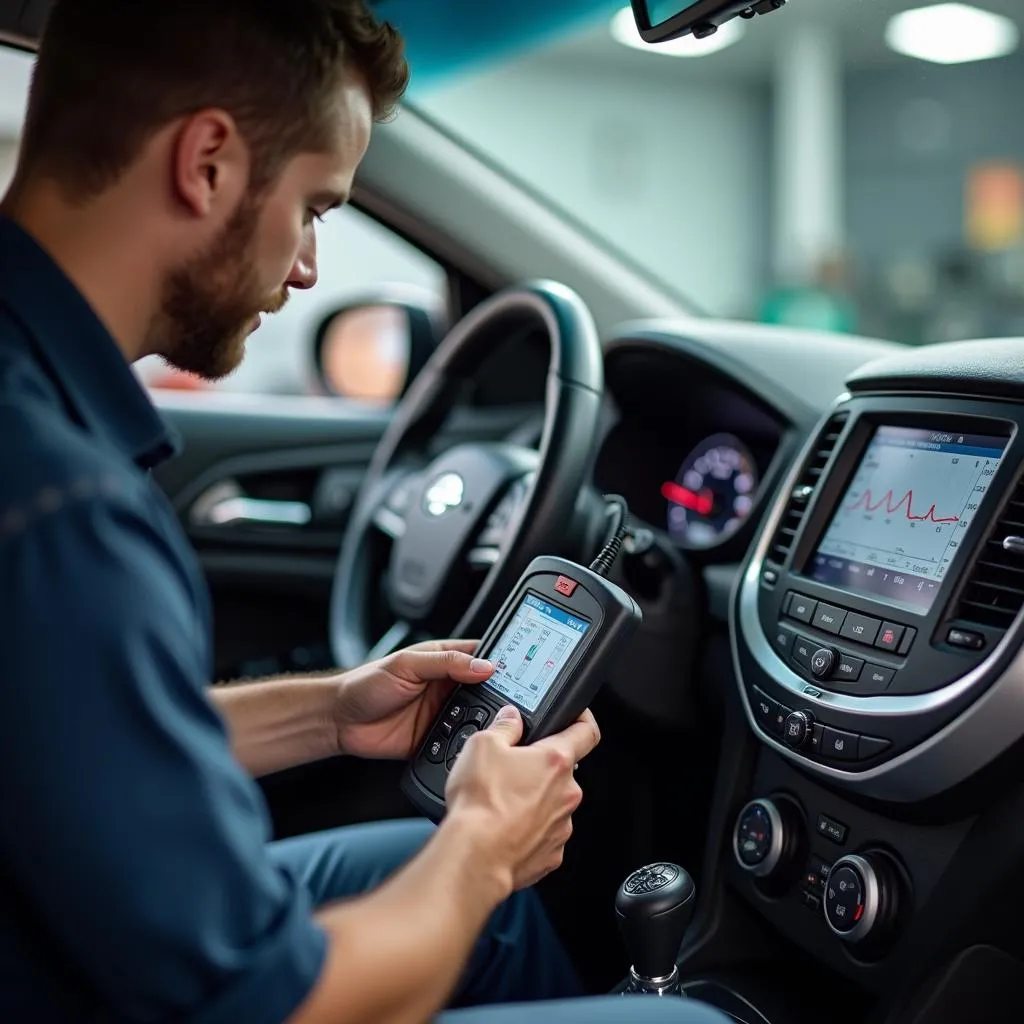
[(444, 494)]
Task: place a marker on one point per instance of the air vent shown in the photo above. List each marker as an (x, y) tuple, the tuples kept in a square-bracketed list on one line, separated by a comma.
[(994, 592), (806, 485)]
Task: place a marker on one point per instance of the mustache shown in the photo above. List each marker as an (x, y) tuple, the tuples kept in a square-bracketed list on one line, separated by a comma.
[(277, 302)]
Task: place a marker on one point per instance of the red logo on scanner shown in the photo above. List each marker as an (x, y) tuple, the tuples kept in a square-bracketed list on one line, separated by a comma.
[(566, 586)]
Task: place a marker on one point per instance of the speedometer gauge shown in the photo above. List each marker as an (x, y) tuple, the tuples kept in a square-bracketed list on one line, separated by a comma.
[(713, 492)]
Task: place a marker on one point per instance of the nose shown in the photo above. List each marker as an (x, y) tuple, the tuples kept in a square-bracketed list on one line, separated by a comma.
[(304, 273)]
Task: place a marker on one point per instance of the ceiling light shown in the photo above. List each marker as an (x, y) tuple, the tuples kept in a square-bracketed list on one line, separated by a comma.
[(624, 31), (952, 34)]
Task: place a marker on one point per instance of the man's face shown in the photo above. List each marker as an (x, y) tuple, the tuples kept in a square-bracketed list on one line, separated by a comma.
[(214, 301)]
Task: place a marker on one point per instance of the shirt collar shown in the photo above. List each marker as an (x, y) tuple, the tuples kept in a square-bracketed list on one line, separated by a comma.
[(78, 352)]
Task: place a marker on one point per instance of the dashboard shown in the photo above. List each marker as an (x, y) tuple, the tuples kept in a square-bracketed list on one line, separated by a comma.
[(698, 468), (874, 552)]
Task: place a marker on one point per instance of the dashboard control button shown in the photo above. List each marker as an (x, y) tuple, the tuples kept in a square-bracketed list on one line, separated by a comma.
[(803, 651), (797, 728), (823, 660), (778, 722), (764, 709), (831, 829), (908, 639), (877, 678), (861, 628), (871, 746), (829, 618), (783, 639), (817, 735), (801, 608), (770, 577), (817, 873), (812, 901), (965, 638), (889, 636), (848, 668), (839, 746)]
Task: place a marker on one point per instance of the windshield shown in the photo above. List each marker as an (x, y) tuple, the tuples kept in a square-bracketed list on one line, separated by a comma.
[(840, 163)]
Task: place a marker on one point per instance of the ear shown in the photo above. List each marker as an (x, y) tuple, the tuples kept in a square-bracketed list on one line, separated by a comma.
[(210, 163)]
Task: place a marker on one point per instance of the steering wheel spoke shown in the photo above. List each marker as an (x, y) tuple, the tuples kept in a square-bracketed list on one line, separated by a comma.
[(419, 512), (389, 517), (397, 636)]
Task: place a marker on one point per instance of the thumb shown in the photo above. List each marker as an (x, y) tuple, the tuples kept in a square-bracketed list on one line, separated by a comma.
[(508, 724)]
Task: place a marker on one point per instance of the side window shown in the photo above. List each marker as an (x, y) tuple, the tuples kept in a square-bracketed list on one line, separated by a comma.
[(356, 254)]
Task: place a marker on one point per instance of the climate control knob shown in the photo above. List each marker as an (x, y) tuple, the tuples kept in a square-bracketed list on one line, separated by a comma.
[(768, 838), (862, 894)]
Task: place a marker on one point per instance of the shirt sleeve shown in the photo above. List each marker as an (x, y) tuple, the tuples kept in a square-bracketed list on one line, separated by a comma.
[(135, 838)]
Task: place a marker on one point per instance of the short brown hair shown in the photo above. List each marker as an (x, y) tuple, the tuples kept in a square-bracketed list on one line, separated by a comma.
[(111, 73)]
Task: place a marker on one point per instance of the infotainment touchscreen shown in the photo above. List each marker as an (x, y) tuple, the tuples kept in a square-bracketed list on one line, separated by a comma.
[(533, 650), (898, 526)]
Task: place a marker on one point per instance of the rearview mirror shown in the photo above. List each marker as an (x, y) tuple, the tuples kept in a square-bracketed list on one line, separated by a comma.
[(372, 347), (661, 20)]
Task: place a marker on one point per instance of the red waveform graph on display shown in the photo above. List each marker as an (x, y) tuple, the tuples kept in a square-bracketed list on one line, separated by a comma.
[(868, 504)]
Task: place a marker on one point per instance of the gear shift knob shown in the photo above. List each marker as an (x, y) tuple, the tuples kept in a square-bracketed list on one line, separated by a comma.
[(655, 906)]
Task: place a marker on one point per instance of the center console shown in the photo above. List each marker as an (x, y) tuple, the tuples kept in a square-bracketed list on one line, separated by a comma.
[(876, 634)]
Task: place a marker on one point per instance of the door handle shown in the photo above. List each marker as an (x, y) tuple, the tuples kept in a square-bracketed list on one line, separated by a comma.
[(239, 510)]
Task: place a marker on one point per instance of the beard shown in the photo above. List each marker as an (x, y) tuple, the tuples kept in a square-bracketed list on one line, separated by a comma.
[(211, 303)]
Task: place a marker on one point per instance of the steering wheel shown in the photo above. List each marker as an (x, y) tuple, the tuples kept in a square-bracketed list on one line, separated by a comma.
[(426, 527)]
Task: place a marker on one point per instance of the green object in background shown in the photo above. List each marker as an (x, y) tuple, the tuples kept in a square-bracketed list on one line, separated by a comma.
[(809, 307)]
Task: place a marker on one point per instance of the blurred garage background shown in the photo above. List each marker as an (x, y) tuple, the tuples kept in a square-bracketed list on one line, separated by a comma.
[(851, 164)]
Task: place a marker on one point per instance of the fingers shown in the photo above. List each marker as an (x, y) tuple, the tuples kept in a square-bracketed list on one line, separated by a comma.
[(463, 646), (577, 741), (428, 665), (508, 724)]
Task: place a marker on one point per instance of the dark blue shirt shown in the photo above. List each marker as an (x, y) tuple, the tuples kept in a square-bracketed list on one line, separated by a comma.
[(134, 877)]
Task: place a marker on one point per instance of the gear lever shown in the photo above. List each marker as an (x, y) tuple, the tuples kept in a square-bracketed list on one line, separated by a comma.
[(655, 906)]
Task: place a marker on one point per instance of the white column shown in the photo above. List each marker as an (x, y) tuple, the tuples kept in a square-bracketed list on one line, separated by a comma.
[(808, 142)]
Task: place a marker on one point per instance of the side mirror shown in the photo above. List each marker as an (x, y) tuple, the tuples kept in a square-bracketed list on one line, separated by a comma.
[(371, 348)]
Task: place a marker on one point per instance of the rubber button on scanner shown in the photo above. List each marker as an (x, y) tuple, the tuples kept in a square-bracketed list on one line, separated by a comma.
[(435, 748), (460, 739), (478, 716), (454, 713)]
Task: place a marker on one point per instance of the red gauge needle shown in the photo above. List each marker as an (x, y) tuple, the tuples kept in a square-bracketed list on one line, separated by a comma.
[(701, 503)]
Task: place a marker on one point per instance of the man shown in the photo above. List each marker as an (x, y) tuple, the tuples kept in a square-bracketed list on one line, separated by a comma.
[(175, 159)]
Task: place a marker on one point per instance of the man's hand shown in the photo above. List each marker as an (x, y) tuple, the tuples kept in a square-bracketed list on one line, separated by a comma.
[(384, 708), (521, 798)]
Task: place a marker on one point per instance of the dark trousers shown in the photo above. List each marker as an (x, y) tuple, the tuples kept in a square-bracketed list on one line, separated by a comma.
[(518, 958)]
